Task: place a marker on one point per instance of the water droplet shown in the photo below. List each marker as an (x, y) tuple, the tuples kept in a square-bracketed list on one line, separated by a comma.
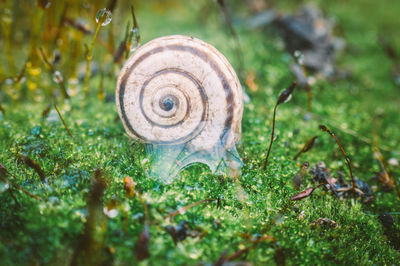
[(135, 37), (288, 98), (299, 57), (397, 80), (36, 131), (44, 4), (6, 17), (134, 47), (393, 162), (9, 81), (145, 161), (110, 213), (4, 186), (104, 17), (52, 117), (57, 77)]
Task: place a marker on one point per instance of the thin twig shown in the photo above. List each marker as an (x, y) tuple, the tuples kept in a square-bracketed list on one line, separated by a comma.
[(89, 56), (233, 32), (34, 165), (53, 72), (14, 198), (253, 245), (24, 191), (62, 120), (146, 209), (78, 26), (61, 24), (2, 109), (308, 86), (359, 137), (283, 97), (122, 46), (382, 162), (185, 208), (272, 139), (324, 128), (6, 172)]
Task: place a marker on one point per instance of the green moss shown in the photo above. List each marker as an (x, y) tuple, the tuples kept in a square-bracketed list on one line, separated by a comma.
[(48, 231)]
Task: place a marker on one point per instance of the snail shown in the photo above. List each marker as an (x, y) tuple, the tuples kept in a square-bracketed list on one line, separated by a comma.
[(181, 96)]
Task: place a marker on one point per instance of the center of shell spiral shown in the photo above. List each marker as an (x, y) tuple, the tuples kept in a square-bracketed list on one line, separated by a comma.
[(168, 102)]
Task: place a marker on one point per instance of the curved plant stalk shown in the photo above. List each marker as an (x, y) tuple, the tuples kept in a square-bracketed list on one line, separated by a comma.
[(142, 244), (283, 97), (55, 73), (4, 172), (89, 56), (103, 18), (308, 86), (62, 120), (387, 172), (272, 139), (185, 208), (134, 32), (228, 19), (353, 184)]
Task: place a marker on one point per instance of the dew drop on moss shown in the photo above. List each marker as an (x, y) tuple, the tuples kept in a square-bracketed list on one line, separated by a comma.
[(3, 186), (6, 17), (57, 77), (135, 44), (299, 57), (103, 16)]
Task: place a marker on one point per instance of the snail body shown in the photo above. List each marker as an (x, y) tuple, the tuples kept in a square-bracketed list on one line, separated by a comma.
[(180, 94)]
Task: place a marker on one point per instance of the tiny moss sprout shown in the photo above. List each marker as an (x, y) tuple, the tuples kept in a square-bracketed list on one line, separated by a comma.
[(103, 18), (283, 97), (353, 187)]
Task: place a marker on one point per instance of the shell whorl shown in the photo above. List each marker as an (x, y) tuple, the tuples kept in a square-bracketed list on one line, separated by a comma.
[(178, 89)]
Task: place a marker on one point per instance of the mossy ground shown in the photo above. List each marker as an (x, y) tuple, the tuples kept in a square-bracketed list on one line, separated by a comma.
[(48, 231)]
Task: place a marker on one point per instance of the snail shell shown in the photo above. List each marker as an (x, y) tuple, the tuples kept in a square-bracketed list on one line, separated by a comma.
[(180, 90)]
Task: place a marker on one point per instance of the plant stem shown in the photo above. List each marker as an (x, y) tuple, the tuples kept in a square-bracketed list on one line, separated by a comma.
[(14, 198), (272, 139), (382, 162), (309, 94), (324, 128), (53, 71), (89, 58), (228, 19), (145, 208), (2, 109), (62, 120), (347, 159), (24, 191), (184, 209), (20, 188)]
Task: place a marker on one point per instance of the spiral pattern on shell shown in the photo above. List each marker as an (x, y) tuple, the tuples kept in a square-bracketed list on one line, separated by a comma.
[(178, 89)]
